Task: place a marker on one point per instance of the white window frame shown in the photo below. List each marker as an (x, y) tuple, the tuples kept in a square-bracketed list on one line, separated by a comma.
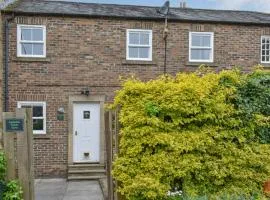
[(36, 103), (211, 34), (139, 45), (19, 41), (264, 37)]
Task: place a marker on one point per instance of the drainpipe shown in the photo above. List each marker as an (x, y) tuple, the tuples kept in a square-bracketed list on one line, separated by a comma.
[(165, 37), (6, 68)]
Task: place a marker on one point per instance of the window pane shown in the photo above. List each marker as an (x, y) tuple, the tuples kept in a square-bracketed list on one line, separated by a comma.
[(26, 49), (196, 40), (144, 52), (133, 52), (134, 38), (37, 49), (195, 54), (38, 124), (144, 38), (200, 54), (25, 34), (86, 114), (206, 41), (37, 34), (201, 40), (205, 54), (37, 111)]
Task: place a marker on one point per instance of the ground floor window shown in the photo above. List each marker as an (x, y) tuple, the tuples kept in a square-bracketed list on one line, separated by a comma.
[(265, 49), (39, 115)]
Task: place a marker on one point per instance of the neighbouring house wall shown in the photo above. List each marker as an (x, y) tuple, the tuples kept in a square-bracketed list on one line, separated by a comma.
[(1, 80), (3, 4), (88, 52)]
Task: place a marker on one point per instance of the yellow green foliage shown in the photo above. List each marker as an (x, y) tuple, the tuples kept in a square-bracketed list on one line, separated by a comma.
[(187, 132)]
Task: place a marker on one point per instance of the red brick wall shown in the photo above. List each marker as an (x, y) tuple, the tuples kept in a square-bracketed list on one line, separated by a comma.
[(91, 53)]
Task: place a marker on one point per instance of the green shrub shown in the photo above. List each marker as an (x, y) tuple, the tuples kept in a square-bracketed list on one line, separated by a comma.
[(190, 132), (253, 99), (13, 191), (221, 197), (3, 166)]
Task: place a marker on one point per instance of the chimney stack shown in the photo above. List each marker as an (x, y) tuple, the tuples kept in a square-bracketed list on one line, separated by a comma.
[(183, 4)]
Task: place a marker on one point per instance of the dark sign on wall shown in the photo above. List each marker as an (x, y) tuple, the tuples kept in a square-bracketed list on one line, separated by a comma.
[(14, 125)]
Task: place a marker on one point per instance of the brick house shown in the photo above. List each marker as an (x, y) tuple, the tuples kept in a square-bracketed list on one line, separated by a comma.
[(64, 59)]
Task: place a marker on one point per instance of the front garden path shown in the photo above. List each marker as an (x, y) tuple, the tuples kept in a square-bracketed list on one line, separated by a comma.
[(60, 189)]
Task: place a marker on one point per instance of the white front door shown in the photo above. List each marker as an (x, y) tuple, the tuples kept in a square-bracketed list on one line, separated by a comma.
[(86, 132)]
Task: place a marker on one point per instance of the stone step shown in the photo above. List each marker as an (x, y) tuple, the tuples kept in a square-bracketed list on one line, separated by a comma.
[(85, 171), (86, 166), (77, 178), (79, 171)]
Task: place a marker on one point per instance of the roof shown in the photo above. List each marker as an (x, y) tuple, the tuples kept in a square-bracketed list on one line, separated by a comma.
[(48, 7)]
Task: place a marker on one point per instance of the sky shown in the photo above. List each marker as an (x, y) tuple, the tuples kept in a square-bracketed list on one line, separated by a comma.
[(253, 5)]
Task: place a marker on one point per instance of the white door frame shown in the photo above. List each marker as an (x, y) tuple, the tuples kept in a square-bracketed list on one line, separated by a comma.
[(86, 99)]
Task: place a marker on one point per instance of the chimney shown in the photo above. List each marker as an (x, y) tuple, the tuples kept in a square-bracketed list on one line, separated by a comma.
[(183, 4)]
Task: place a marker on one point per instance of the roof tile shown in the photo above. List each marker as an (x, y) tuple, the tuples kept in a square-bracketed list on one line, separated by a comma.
[(129, 11)]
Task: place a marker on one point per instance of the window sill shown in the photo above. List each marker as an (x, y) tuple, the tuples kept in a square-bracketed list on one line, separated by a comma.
[(266, 64), (31, 59), (137, 62), (41, 137), (197, 64)]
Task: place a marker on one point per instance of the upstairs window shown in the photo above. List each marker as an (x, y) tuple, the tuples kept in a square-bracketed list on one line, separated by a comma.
[(201, 47), (265, 49), (31, 41), (39, 115), (139, 45)]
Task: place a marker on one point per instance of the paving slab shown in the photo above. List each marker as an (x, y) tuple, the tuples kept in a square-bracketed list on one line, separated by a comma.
[(83, 190), (53, 189), (60, 189)]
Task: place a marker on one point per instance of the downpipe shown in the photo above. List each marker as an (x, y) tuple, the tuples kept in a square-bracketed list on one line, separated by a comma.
[(6, 63)]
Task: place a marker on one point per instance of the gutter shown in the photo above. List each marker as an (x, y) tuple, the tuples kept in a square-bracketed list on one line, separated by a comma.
[(6, 66)]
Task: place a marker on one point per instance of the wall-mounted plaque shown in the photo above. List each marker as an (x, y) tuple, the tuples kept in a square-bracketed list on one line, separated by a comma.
[(14, 125)]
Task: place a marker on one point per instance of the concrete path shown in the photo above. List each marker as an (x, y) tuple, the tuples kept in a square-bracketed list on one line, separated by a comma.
[(60, 189)]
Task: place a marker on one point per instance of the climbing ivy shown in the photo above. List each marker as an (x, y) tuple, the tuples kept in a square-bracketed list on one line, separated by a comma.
[(253, 99)]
